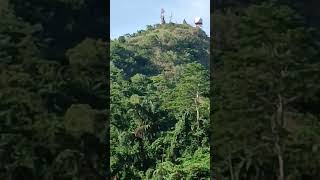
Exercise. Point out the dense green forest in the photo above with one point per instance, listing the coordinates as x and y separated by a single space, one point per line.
264 94
265 91
160 104
53 92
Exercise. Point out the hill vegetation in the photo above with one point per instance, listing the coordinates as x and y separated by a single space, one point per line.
264 99
160 104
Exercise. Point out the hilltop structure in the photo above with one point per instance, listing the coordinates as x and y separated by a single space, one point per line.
162 17
198 22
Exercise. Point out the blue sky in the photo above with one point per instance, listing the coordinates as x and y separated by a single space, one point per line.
129 16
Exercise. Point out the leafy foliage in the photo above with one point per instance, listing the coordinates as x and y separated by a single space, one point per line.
160 104
265 78
53 108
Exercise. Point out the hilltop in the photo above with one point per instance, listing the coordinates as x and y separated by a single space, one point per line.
161 47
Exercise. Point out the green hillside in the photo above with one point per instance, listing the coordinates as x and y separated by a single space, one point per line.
160 104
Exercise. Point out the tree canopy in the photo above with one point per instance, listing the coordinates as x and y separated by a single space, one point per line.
53 91
265 88
160 104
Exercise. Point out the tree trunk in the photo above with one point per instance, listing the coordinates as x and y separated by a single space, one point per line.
280 161
143 155
196 100
231 167
276 125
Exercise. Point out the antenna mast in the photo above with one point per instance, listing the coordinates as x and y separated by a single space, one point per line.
162 16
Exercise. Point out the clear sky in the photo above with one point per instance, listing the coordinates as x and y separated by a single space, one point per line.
129 16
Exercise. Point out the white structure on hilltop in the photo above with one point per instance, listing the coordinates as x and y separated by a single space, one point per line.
198 21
